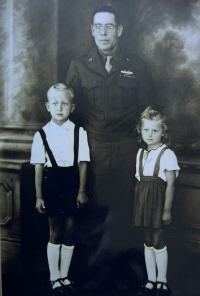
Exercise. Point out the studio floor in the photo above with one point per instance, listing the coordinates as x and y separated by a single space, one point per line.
183 276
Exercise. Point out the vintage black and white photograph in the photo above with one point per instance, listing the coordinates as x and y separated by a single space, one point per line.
100 147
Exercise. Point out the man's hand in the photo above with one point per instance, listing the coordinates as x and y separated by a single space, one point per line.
40 206
167 217
81 199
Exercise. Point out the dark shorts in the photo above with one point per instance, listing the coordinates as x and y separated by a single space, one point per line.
60 190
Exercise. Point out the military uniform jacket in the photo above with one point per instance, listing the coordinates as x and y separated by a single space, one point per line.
110 104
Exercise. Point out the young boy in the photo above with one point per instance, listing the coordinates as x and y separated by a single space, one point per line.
60 154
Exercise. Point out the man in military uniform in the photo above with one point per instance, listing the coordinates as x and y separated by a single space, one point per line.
111 89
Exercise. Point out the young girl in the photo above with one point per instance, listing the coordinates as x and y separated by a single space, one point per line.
156 171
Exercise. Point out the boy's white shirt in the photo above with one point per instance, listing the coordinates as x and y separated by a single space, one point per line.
61 142
168 162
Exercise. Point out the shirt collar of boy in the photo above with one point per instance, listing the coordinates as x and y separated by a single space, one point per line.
65 125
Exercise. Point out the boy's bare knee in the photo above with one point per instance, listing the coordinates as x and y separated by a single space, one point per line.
69 225
148 243
55 238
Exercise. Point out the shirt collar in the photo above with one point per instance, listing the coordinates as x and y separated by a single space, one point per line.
65 125
158 148
115 54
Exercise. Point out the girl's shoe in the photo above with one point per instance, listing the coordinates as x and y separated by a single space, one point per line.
59 289
163 292
144 291
70 287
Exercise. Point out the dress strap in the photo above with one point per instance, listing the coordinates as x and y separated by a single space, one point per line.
76 144
48 150
140 163
157 165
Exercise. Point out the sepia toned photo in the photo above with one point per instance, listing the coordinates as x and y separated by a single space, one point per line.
100 147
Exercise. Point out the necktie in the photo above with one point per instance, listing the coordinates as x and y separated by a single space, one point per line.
108 65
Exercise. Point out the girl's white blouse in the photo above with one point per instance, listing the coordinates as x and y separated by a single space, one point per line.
168 162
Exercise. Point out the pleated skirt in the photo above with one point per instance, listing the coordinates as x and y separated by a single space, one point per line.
149 202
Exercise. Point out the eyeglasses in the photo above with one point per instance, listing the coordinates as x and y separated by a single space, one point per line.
108 27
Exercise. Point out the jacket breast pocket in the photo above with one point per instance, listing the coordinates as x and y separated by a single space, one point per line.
127 90
92 89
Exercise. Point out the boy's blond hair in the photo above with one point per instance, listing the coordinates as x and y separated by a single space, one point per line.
53 90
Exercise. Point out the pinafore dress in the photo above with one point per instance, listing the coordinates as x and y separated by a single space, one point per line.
60 184
149 197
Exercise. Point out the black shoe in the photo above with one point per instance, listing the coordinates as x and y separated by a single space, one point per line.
58 290
144 291
68 288
163 292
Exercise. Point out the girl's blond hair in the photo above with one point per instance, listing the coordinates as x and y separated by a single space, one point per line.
152 113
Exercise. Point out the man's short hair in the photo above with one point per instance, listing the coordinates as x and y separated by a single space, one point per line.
60 87
110 10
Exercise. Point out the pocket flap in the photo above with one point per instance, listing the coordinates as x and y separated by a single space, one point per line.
127 82
91 82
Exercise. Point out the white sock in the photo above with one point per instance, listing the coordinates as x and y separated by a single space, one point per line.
53 255
162 261
150 261
65 260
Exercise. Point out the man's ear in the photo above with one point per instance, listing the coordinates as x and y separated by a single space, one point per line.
119 30
92 29
47 106
73 107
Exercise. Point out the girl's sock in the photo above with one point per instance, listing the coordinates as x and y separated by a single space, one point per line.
161 261
65 260
150 261
53 255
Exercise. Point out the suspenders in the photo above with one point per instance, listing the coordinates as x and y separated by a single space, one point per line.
157 165
49 152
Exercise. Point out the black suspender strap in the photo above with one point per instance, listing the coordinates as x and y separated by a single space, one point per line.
48 150
140 163
157 165
76 143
